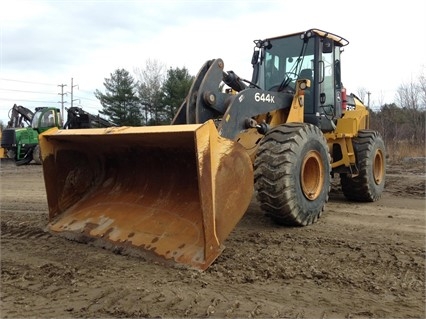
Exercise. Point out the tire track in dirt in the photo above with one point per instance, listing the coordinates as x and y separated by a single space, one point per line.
359 260
22 230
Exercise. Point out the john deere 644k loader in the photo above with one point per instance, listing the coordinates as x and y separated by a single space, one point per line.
176 192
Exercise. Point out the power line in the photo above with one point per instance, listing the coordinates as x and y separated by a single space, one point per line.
88 102
91 107
87 92
86 98
34 101
12 90
21 81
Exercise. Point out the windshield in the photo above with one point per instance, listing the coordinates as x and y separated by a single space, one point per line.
35 120
284 61
45 119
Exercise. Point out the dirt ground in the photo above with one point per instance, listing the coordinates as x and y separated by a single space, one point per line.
361 260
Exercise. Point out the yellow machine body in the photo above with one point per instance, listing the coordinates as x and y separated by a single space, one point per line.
347 128
164 192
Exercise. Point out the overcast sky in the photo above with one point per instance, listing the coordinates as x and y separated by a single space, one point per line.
43 44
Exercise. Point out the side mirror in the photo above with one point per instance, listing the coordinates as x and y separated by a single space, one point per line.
327 46
322 98
255 57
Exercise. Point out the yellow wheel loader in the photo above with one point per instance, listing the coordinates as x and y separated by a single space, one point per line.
174 193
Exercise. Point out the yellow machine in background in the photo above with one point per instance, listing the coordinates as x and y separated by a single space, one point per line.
174 193
2 150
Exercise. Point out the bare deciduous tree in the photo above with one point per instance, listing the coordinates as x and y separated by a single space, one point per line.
380 100
402 123
422 88
361 93
150 82
409 97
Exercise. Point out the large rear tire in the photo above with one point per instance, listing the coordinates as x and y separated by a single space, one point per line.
292 174
370 155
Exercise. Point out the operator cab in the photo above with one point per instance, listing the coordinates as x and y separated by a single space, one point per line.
313 55
46 118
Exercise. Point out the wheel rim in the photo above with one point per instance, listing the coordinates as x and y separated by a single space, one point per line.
378 167
312 175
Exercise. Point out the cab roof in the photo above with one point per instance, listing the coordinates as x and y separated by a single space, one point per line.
340 40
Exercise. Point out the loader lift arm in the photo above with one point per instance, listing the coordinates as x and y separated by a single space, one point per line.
234 112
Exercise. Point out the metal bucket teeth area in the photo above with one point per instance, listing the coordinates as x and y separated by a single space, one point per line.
168 192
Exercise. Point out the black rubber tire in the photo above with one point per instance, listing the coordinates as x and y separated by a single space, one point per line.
37 155
370 155
292 174
27 158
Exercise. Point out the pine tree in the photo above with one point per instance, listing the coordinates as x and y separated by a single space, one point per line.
175 89
120 102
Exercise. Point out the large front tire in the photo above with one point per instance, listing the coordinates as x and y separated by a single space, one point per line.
370 155
292 174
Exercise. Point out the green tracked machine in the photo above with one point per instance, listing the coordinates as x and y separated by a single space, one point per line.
20 143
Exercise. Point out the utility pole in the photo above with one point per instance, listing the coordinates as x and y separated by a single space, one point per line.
72 92
368 100
62 97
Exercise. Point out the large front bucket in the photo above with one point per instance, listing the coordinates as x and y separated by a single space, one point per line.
174 192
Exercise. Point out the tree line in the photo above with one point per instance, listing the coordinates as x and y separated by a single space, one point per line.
404 120
151 97
154 98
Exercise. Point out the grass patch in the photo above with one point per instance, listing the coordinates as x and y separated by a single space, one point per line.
402 150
